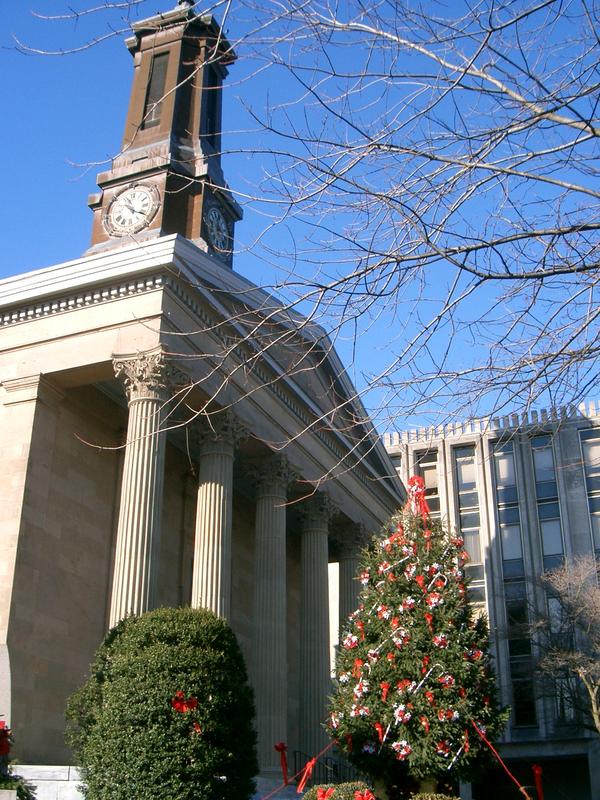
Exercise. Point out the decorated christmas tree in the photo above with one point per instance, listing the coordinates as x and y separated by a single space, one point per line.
415 688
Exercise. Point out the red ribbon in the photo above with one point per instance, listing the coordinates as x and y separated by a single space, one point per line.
537 776
310 765
325 794
385 687
379 728
356 671
366 795
416 497
522 789
281 748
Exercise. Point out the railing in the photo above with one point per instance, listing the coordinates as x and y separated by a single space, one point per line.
328 769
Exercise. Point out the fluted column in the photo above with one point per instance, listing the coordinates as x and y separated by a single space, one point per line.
146 378
211 577
269 644
354 540
315 681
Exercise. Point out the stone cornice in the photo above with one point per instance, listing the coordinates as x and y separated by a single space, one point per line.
177 264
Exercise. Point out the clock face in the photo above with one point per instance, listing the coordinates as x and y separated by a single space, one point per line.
131 210
218 230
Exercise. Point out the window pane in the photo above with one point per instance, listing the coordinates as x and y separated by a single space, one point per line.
513 568
507 494
468 500
591 456
515 591
524 703
548 511
519 647
474 572
552 562
596 530
156 90
429 475
541 441
546 490
465 470
551 537
470 520
505 469
543 462
509 515
472 545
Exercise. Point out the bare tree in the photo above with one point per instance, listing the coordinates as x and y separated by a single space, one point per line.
430 189
569 639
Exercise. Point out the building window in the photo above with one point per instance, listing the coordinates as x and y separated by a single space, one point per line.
469 521
426 467
590 445
209 127
548 509
515 588
156 91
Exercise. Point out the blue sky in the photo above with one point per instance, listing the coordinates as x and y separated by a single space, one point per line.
63 119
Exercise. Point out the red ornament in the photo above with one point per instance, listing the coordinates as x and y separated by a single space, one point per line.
430 698
424 722
385 687
357 669
420 579
379 728
428 619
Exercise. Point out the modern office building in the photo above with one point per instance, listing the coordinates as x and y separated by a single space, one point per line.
525 493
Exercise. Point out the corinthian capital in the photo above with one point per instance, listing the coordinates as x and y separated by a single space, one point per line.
317 510
221 426
274 474
148 375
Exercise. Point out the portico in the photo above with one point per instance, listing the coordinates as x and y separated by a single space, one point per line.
158 457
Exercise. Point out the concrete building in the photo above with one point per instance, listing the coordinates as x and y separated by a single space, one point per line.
525 493
158 413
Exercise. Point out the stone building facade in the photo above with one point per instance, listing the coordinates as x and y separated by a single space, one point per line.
525 493
170 434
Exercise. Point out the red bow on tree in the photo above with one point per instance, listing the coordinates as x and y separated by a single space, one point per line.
182 704
325 794
366 795
416 497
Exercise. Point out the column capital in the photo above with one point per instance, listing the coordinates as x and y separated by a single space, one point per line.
274 474
348 540
219 427
148 375
316 511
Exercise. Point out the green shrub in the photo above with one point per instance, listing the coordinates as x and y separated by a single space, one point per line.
166 712
343 791
433 796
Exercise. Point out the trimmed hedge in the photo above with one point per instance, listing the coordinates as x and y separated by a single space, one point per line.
433 796
343 791
166 712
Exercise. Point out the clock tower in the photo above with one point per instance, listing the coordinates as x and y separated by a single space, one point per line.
168 178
